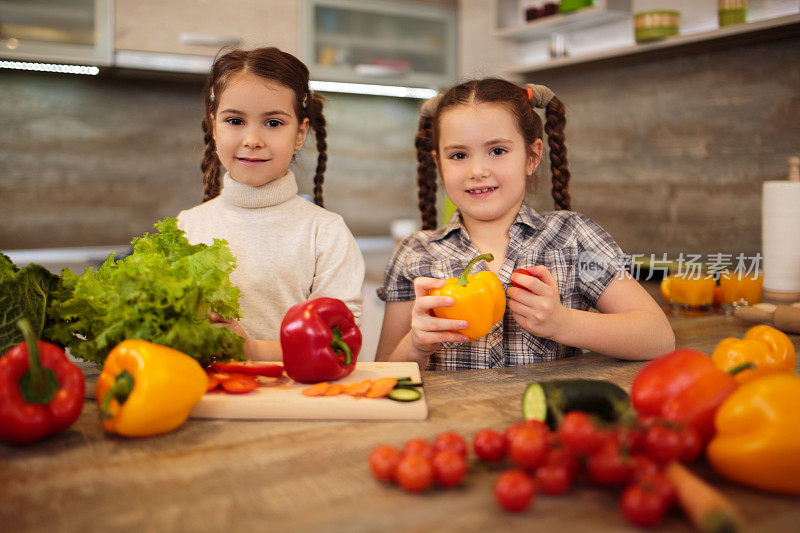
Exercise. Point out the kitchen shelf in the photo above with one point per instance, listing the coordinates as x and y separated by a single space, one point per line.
725 37
606 11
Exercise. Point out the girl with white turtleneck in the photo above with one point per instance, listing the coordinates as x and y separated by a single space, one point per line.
258 110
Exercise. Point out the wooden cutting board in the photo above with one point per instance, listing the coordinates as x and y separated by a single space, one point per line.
282 399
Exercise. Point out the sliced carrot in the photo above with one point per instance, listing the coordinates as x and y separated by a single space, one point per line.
358 389
708 509
317 389
213 382
239 383
334 390
381 387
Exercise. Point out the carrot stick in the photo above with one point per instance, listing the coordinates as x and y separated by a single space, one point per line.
381 387
708 509
358 389
317 389
334 390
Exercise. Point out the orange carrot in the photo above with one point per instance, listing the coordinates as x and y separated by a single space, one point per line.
381 387
708 509
358 389
317 389
334 390
213 382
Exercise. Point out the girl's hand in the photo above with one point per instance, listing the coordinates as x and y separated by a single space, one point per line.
537 307
427 331
221 322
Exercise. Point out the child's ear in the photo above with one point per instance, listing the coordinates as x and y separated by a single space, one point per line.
435 157
534 155
302 131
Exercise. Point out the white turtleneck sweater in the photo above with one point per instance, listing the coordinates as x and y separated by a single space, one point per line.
288 250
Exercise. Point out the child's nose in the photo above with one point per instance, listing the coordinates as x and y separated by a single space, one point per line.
253 140
478 169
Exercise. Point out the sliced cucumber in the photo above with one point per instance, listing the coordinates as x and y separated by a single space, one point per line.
548 401
534 403
404 394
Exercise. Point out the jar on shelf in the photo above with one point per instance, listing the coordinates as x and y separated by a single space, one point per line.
732 12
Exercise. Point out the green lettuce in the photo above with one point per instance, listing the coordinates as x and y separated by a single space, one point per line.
162 293
24 293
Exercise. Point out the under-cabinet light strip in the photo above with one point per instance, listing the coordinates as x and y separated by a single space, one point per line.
378 90
50 67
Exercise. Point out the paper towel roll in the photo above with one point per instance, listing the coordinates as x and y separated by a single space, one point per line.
780 235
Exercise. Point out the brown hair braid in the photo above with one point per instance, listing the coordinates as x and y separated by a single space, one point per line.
274 65
516 100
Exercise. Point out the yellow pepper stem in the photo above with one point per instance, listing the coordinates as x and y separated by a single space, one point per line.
740 368
463 279
120 390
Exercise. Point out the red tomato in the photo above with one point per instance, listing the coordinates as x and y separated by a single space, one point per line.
514 490
608 466
449 468
383 462
692 444
529 424
641 506
414 473
562 455
663 444
661 485
450 440
554 478
643 467
629 438
418 447
528 448
578 431
489 445
239 383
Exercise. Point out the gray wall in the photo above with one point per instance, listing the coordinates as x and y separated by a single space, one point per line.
97 160
668 155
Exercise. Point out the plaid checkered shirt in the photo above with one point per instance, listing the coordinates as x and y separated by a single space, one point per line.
581 256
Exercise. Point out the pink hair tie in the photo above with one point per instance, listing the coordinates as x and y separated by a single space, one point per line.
530 93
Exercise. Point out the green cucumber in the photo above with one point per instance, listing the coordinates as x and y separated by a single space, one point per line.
407 385
405 394
548 401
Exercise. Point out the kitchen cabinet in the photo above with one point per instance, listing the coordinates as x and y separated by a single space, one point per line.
173 34
511 25
390 43
62 31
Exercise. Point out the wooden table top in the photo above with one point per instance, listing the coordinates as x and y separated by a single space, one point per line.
215 475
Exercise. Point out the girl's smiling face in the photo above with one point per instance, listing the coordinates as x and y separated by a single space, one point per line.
256 129
484 161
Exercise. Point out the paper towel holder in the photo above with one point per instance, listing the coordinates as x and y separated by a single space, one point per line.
787 296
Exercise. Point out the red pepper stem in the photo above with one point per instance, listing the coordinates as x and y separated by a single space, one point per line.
38 384
463 279
739 368
338 345
120 390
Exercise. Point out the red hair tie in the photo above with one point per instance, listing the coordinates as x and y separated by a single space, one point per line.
529 91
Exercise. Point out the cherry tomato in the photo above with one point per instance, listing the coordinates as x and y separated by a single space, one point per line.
528 448
629 438
661 485
524 272
239 383
383 462
489 445
414 473
565 456
641 506
643 467
554 478
418 447
578 431
663 444
692 444
449 468
608 466
514 490
450 440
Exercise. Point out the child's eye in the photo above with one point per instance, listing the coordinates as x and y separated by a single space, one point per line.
234 121
274 123
458 155
498 151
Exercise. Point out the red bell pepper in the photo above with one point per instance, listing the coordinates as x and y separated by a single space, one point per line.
320 340
41 391
683 387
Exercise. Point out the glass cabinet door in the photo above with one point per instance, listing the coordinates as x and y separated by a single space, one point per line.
381 42
76 31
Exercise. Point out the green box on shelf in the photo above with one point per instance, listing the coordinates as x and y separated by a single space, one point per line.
651 25
568 6
728 17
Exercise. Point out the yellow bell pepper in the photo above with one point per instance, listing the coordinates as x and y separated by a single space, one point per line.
769 349
147 389
758 435
479 299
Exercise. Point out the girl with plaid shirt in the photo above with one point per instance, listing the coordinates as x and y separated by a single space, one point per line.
485 139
